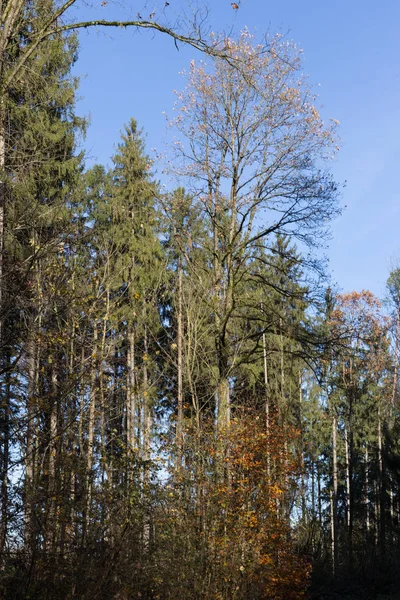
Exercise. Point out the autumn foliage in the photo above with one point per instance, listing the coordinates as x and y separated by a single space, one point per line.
227 518
359 329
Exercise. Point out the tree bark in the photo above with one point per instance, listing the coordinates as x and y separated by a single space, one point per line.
334 495
348 441
382 490
51 522
366 492
179 423
2 212
147 422
30 445
131 392
5 430
267 411
91 427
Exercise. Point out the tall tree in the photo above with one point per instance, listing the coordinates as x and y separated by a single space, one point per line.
39 172
251 146
359 405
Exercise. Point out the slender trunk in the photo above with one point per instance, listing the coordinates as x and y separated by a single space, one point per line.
107 464
264 343
2 214
146 443
5 399
106 450
334 494
333 533
313 504
30 445
366 492
267 415
5 402
51 524
179 424
382 490
72 434
319 494
146 404
217 294
5 429
348 440
131 393
303 473
105 473
81 408
334 456
347 456
377 512
53 429
90 444
190 360
391 505
286 496
282 358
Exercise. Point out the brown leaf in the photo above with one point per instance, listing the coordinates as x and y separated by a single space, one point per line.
234 5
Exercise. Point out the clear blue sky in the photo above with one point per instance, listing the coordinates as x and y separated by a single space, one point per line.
352 55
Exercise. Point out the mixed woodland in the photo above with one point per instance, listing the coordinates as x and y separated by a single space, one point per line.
188 408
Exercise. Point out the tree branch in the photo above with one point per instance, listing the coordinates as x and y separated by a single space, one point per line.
49 29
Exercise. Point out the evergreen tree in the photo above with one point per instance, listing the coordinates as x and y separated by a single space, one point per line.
39 173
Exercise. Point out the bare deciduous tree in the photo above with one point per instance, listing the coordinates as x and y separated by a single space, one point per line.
252 144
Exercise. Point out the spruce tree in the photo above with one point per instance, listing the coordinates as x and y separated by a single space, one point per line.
39 173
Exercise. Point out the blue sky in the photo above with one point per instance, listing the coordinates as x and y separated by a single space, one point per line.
352 55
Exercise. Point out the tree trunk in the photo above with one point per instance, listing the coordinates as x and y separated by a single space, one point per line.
179 423
147 422
303 470
223 400
30 445
51 523
319 494
267 411
4 397
265 365
366 492
2 213
382 490
131 393
334 494
5 429
91 425
282 359
348 441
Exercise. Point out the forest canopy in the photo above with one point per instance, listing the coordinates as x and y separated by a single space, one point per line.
187 408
